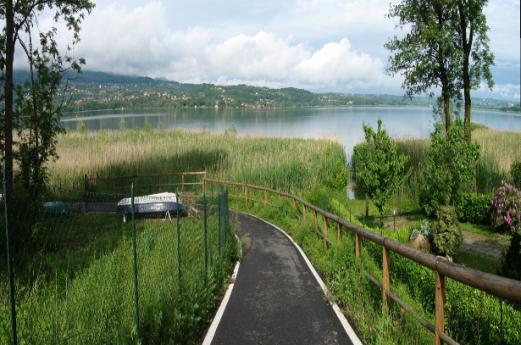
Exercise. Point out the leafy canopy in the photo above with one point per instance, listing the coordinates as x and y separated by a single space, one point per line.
448 167
379 167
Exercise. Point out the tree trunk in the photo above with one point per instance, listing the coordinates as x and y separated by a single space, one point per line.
366 206
446 110
8 104
468 110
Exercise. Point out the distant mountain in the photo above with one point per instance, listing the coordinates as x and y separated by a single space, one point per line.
91 90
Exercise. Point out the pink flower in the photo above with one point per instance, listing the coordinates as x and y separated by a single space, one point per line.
507 218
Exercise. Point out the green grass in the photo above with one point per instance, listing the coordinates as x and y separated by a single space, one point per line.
78 287
477 261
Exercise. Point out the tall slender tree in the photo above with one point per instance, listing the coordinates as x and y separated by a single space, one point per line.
426 55
472 39
46 63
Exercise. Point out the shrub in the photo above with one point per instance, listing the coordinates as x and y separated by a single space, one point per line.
506 207
448 167
380 168
447 237
515 173
424 230
511 261
473 208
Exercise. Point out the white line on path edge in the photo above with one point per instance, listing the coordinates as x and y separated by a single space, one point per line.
218 316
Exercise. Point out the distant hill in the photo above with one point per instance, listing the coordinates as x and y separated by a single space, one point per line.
91 90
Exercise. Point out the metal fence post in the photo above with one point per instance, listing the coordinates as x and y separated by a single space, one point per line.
178 232
134 250
219 224
205 210
12 292
226 214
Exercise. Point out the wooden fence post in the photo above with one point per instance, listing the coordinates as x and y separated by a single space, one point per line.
385 278
440 308
339 232
266 197
182 182
293 204
315 218
303 212
245 194
326 232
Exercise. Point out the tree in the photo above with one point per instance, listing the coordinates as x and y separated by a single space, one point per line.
472 40
379 167
35 114
449 166
427 55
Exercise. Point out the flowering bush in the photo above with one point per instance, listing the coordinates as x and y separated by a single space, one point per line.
506 206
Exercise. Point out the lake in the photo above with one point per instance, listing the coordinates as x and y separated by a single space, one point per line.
342 123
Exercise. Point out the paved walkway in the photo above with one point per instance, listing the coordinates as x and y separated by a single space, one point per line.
276 300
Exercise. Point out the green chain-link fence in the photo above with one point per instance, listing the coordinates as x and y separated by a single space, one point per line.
88 272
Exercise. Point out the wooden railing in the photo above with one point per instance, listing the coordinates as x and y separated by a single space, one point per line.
496 285
126 179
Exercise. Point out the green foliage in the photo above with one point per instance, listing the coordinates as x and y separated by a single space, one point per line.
511 260
147 127
425 230
515 173
446 236
379 167
448 168
473 208
81 127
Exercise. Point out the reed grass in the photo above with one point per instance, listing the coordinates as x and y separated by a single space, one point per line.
286 164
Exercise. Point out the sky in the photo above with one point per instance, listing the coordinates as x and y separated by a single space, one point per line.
319 45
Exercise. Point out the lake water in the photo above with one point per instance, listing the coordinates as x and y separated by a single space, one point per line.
342 123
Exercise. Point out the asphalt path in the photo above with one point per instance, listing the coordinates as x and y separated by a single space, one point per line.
276 299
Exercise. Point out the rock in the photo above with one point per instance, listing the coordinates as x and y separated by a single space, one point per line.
421 243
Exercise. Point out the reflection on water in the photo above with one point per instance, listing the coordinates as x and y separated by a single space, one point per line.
340 123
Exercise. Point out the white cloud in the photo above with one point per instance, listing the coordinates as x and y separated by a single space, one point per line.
327 45
138 41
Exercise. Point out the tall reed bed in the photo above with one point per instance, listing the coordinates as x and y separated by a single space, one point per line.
498 150
287 164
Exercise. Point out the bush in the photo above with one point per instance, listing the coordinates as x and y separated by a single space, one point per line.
448 167
506 207
379 166
473 208
511 261
515 173
447 237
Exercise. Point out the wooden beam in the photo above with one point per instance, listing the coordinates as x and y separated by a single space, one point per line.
326 232
385 278
339 232
439 308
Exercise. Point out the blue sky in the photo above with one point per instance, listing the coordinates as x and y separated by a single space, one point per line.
321 45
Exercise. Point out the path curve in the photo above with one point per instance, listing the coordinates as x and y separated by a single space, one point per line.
276 300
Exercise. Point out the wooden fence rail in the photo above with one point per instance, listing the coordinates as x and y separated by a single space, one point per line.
496 285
